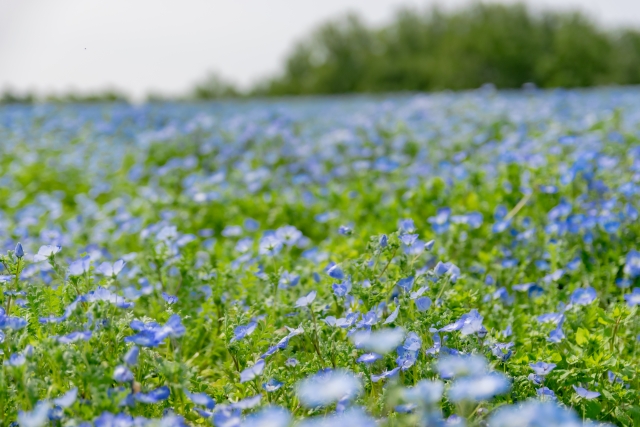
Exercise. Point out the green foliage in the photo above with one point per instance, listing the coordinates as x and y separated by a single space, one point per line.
506 46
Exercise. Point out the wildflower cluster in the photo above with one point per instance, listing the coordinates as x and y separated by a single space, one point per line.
444 260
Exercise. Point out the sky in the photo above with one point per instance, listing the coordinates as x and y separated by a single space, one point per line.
166 46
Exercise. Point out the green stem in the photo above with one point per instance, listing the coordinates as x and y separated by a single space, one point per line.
393 255
315 335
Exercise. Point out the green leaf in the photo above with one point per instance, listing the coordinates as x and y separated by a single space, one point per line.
582 336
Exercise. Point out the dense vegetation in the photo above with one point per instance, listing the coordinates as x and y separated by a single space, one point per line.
505 45
443 260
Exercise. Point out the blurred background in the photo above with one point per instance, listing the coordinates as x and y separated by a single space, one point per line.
136 50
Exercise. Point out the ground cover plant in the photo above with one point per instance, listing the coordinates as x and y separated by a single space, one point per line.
434 260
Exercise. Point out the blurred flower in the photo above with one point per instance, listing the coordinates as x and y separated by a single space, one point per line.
587 394
327 387
381 341
252 372
201 399
478 388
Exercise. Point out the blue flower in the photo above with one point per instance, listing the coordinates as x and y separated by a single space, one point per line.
542 368
229 231
341 289
447 269
270 245
79 267
73 337
550 318
533 414
102 294
131 358
45 252
407 356
352 417
369 358
383 241
384 375
425 391
111 270
393 316
632 266
437 344
288 280
271 416
272 385
418 293
406 408
562 210
11 322
368 319
306 300
170 299
381 341
201 399
500 226
440 222
502 351
19 251
478 388
152 334
429 245
633 298
335 272
326 387
472 219
243 331
556 335
289 235
587 394
16 359
344 322
252 372
122 374
467 324
457 366
154 396
623 282
227 416
423 303
406 226
574 264
583 296
244 245
247 403
66 399
38 417
406 284
408 239
283 343
546 393
553 277
548 189
345 230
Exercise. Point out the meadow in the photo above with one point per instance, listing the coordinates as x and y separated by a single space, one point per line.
448 259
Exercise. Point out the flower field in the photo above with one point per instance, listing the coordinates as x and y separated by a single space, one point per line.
425 260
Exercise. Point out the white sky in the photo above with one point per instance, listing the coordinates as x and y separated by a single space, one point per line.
165 46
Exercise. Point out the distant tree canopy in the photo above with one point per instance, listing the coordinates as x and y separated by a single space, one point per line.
107 96
506 45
